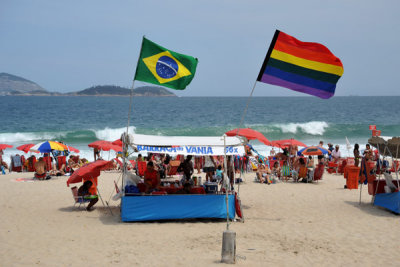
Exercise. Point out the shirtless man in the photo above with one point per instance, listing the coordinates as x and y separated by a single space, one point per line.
40 167
263 173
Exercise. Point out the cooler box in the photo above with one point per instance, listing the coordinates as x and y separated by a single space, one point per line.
352 177
211 188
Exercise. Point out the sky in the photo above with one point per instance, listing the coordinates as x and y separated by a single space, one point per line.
68 46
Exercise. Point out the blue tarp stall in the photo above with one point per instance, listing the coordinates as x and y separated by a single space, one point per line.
171 207
390 201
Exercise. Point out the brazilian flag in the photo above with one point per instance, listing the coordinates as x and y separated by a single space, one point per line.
161 66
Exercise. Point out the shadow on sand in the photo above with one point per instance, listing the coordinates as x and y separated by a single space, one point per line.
371 209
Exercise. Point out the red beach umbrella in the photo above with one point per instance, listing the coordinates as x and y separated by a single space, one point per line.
117 142
249 134
4 146
105 145
88 171
73 149
26 147
287 142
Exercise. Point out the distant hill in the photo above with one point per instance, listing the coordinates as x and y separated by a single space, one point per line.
113 90
15 85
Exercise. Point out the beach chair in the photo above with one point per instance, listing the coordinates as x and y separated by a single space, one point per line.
17 163
48 163
31 165
285 172
141 167
332 167
318 172
78 199
62 160
174 164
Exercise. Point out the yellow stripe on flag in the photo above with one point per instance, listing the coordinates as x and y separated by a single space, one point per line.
305 63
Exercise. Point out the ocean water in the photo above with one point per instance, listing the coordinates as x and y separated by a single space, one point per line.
81 120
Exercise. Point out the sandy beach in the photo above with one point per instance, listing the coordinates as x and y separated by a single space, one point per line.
286 224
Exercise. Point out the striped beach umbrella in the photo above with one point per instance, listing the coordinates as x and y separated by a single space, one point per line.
48 146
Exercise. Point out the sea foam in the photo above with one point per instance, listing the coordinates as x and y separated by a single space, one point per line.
312 127
110 134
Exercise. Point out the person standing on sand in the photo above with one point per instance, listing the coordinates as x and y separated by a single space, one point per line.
96 154
336 154
209 168
272 152
197 162
151 178
356 154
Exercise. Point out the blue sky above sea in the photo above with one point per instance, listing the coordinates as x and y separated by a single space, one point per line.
71 45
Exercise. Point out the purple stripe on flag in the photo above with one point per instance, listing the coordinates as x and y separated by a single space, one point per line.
295 87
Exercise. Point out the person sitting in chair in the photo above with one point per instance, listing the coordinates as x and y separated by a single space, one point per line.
41 169
83 191
151 178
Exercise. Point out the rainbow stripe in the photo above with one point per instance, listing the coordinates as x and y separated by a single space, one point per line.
300 66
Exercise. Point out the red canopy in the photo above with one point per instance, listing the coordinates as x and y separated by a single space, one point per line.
287 142
117 142
88 171
4 146
105 145
249 134
26 147
73 149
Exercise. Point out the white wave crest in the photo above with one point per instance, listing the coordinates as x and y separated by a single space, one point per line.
312 127
29 137
109 134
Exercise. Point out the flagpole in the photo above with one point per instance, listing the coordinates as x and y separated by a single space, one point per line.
247 106
125 139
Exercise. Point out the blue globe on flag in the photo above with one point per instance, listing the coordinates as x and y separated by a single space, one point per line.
166 67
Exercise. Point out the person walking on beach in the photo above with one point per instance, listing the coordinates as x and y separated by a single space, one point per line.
336 154
356 154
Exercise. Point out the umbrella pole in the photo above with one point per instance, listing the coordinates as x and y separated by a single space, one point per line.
98 192
396 167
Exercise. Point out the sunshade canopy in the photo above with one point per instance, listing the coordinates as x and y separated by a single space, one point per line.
287 142
105 145
250 134
88 171
4 146
25 147
48 146
388 146
313 151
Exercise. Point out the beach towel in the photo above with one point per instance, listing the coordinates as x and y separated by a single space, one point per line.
16 160
286 170
23 180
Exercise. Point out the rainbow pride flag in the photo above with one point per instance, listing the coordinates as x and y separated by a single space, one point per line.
301 66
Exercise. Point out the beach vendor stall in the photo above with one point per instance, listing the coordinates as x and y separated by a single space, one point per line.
164 206
385 191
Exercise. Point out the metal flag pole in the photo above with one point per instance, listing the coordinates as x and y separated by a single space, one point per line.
228 254
125 138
